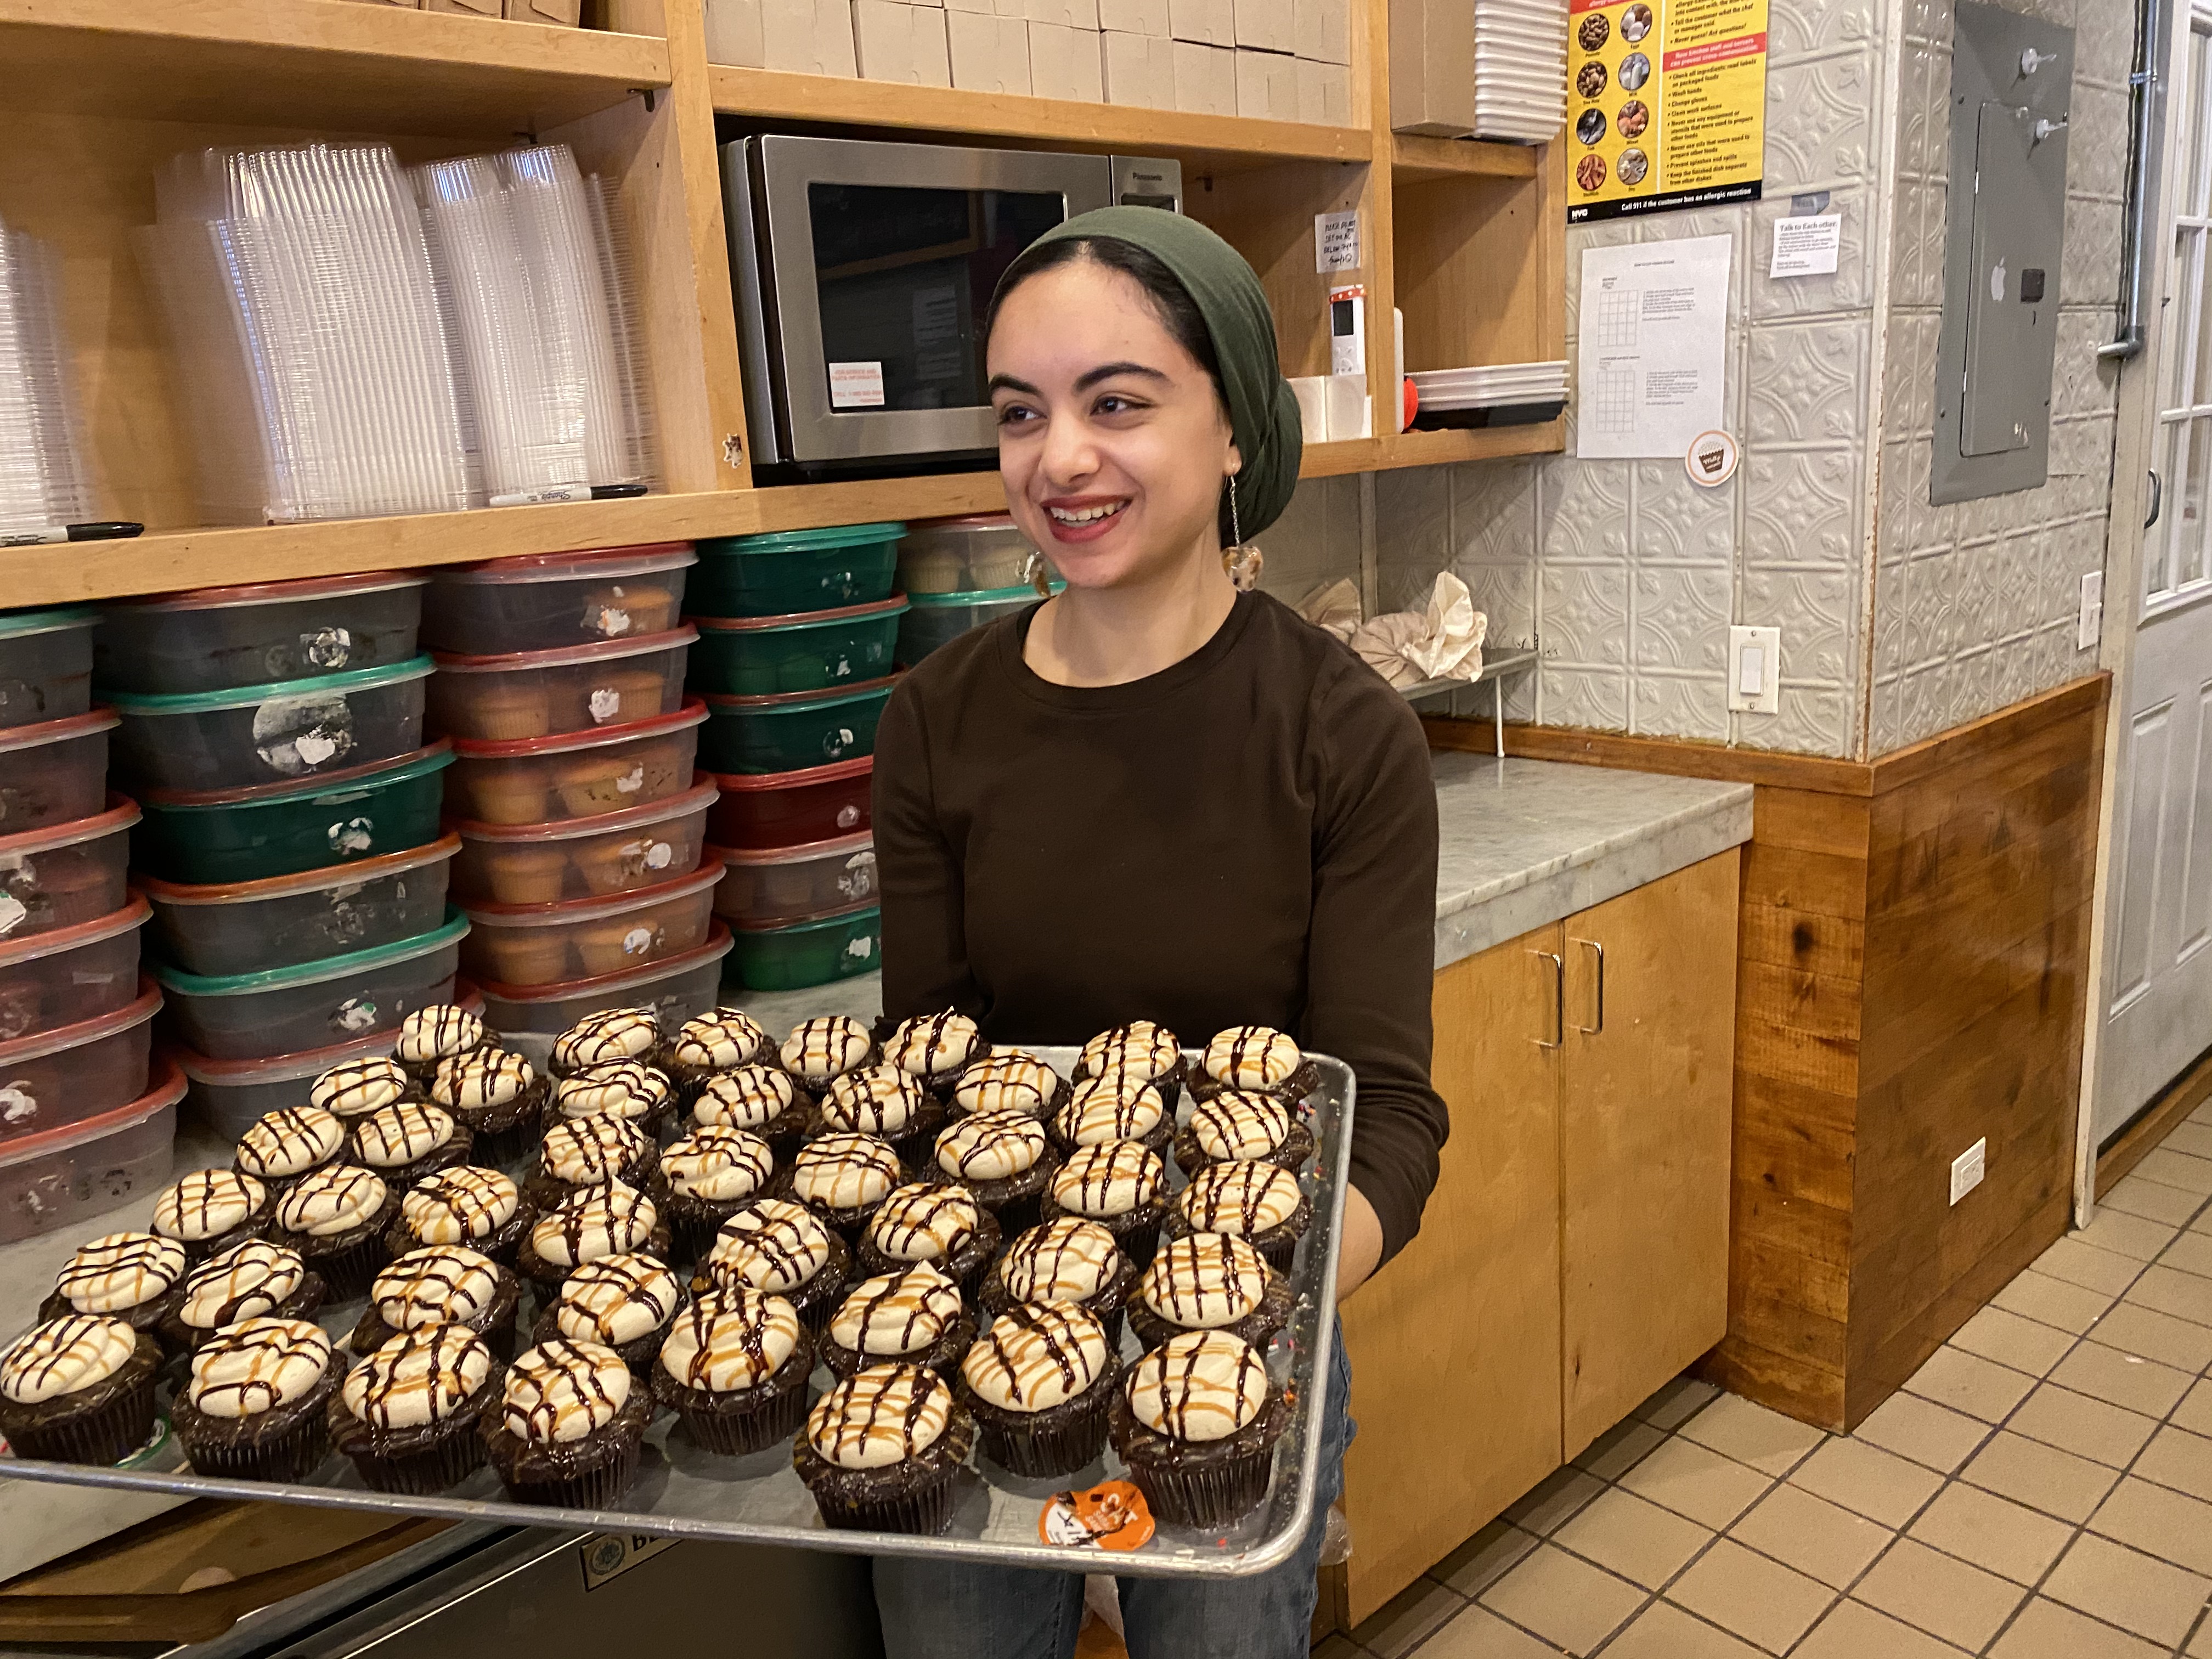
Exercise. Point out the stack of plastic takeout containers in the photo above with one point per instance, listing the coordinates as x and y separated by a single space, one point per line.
959 574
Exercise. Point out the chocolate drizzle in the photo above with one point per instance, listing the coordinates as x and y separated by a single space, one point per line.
881 1415
1199 1372
438 1032
200 1205
698 1351
246 1283
750 1097
1240 1197
788 1240
1189 1270
359 1086
924 1213
932 1043
879 1101
897 1314
433 1372
614 1088
120 1270
442 1284
1067 1251
990 1146
599 1221
396 1135
1027 1346
1086 1183
477 1202
584 1150
550 1384
1238 1125
487 1078
1138 1051
723 1038
256 1366
612 1034
825 1046
64 1355
290 1139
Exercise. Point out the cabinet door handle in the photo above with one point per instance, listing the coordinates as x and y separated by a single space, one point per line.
1592 945
1559 1001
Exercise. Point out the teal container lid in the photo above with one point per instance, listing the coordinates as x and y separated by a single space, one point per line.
14 624
837 918
310 973
805 541
792 621
332 787
201 702
983 595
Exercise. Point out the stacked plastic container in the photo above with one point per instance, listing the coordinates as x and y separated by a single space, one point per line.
573 797
959 574
799 633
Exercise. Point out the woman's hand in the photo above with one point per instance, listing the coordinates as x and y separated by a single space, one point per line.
1361 1248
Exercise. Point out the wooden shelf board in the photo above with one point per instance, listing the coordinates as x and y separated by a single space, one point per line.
1483 444
332 65
1224 142
1415 159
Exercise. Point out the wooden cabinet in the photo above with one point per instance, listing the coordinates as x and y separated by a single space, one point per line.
1575 1254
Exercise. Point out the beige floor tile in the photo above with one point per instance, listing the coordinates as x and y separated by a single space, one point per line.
2128 1235
2195 1410
1478 1633
1569 1603
1672 1404
1406 1620
1695 1481
1614 1453
1811 1534
2178 1169
2128 1589
2185 1296
2192 1253
1751 1434
2170 1525
1478 1563
1944 1597
2088 1428
1337 1645
2200 1645
2178 1458
2133 1329
2085 1265
2122 1379
2193 1135
1662 1632
1922 1430
2045 1630
1553 1499
2053 1301
1991 1532
1867 1480
1967 1383
2007 1339
1641 1542
1854 1631
1759 1599
2042 1477
2152 1201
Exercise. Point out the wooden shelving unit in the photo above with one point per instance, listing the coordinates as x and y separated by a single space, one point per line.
1467 238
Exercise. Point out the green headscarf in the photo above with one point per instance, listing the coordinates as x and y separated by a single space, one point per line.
1262 410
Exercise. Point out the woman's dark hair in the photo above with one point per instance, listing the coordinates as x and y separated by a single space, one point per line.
1177 312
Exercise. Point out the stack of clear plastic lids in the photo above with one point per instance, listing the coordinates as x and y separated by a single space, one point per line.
42 477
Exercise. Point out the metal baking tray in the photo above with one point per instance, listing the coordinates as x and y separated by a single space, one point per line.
684 1492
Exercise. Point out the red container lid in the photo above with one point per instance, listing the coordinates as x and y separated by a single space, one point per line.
304 881
307 1062
132 914
716 947
806 777
562 911
702 794
121 812
591 562
782 923
46 731
322 783
828 694
513 662
693 713
309 587
85 1030
797 618
859 841
168 1088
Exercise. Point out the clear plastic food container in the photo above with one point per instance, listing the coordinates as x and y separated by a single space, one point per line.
77 1071
229 1095
759 656
578 775
276 829
960 555
582 858
792 570
215 638
551 600
257 734
53 771
66 873
64 1176
788 809
938 618
529 1018
72 974
811 951
46 665
250 926
578 688
763 886
759 735
526 944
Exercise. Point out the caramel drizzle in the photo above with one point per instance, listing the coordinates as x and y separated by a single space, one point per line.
400 1134
1229 1193
930 1029
1041 1253
815 1038
743 1313
1056 1339
271 1345
602 1148
435 1281
1179 1269
636 1283
39 1356
244 1275
635 1088
1241 1039
152 1263
289 1131
861 1102
913 1294
912 1213
467 1081
1122 1109
740 1031
537 1373
1009 1074
1233 1113
605 1037
786 1242
984 1134
471 1196
835 1154
620 1216
344 1185
1178 1389
439 1031
713 1149
448 1348
867 1393
203 1190
343 1088
1090 1175
1112 1054
739 1092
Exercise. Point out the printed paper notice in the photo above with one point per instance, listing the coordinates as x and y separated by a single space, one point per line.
1654 346
1807 245
856 386
1336 241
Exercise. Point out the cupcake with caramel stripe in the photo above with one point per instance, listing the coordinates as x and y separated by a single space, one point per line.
609 1035
916 1317
336 1219
735 1368
442 1285
882 1101
1003 1158
1142 1051
137 1277
79 1389
934 1049
1039 1383
210 1210
570 1427
1257 1059
625 1302
882 1449
1102 1109
1010 1080
467 1205
253 1408
1070 1259
1257 1202
614 1219
1209 1281
931 1221
844 1178
627 1089
582 1153
1238 1126
409 1415
355 1088
406 1142
497 1097
429 1037
819 1049
1120 1184
706 1177
1196 1423
721 1040
786 1249
760 1100
256 1281
279 1147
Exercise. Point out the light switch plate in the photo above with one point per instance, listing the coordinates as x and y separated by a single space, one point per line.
2090 625
1968 1168
1755 669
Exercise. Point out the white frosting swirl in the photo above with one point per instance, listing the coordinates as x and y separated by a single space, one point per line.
332 1200
775 1245
436 1033
717 1165
718 1040
477 1082
617 1088
1237 1127
879 1100
358 1087
730 1339
845 1172
64 1355
442 1284
1008 1080
289 1141
991 1146
616 1299
207 1204
1104 1108
1066 1260
118 1272
255 1367
924 1221
934 1044
599 1221
751 1097
561 1391
895 1315
1201 1385
583 1150
396 1136
1251 1057
1139 1052
1032 1359
250 1282
612 1034
819 1049
459 1204
879 1416
1112 1179
418 1378
1202 1280
1246 1199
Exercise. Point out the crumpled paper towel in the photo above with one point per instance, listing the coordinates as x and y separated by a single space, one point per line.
1332 608
1442 642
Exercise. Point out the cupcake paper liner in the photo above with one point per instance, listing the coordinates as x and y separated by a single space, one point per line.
598 1487
1209 1497
924 1512
740 1433
1038 1452
106 1436
426 1472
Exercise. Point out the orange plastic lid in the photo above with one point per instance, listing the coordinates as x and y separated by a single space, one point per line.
304 881
610 985
121 812
585 561
859 841
133 914
308 587
693 713
168 1088
60 731
697 799
85 1030
563 912
518 662
734 783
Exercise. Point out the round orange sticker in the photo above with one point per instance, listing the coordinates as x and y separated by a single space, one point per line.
1111 1516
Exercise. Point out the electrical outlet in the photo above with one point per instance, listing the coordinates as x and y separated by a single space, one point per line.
2090 625
1968 1168
1755 669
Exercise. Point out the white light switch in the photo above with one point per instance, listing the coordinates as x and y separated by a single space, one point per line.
2090 625
1755 669
1967 1169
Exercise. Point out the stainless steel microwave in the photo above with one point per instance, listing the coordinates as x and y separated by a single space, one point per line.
864 272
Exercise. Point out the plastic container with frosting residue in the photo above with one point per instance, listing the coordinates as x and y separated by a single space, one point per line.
529 1018
215 639
55 979
77 1071
46 665
531 944
543 601
62 1177
66 873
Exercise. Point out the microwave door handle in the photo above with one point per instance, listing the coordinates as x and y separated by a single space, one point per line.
763 386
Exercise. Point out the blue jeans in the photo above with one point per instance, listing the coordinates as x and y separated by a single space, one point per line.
934 1610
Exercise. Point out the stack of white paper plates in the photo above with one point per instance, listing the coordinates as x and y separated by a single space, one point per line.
1520 69
1492 387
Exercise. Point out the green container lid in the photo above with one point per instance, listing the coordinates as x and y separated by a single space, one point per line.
15 623
816 951
983 595
200 702
310 973
436 758
804 541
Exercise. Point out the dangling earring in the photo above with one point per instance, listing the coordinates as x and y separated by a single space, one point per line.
1037 573
1241 563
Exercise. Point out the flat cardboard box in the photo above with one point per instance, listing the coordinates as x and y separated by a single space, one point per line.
1139 71
1209 22
1263 25
1064 63
1267 85
1433 67
893 40
559 13
1204 79
809 37
1321 30
1065 13
733 33
1147 17
1324 94
990 53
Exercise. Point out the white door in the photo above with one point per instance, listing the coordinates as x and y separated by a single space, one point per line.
2158 950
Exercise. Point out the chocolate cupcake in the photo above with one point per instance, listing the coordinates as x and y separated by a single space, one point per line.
625 1302
429 1037
335 1219
1209 1281
844 1177
1039 1383
410 1415
931 1221
914 1315
1257 1202
1004 1159
786 1249
137 1277
1102 1109
1140 1052
705 1178
442 1285
760 1100
583 1153
355 1088
79 1389
497 1097
721 1040
279 1147
210 1210
570 1427
1196 1423
1257 1059
881 1450
255 1280
1121 1185
819 1049
627 1089
1010 1080
734 1368
1238 1126
466 1204
254 1406
1070 1259
884 1102
613 1220
934 1049
609 1035
404 1142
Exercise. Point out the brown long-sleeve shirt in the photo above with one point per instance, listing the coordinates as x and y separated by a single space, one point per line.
1248 835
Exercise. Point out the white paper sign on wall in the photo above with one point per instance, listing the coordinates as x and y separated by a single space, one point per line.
1807 245
1336 241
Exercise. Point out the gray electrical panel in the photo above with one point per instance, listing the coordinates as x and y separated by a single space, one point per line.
2012 80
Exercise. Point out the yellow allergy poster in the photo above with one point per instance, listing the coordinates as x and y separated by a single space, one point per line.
1666 105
